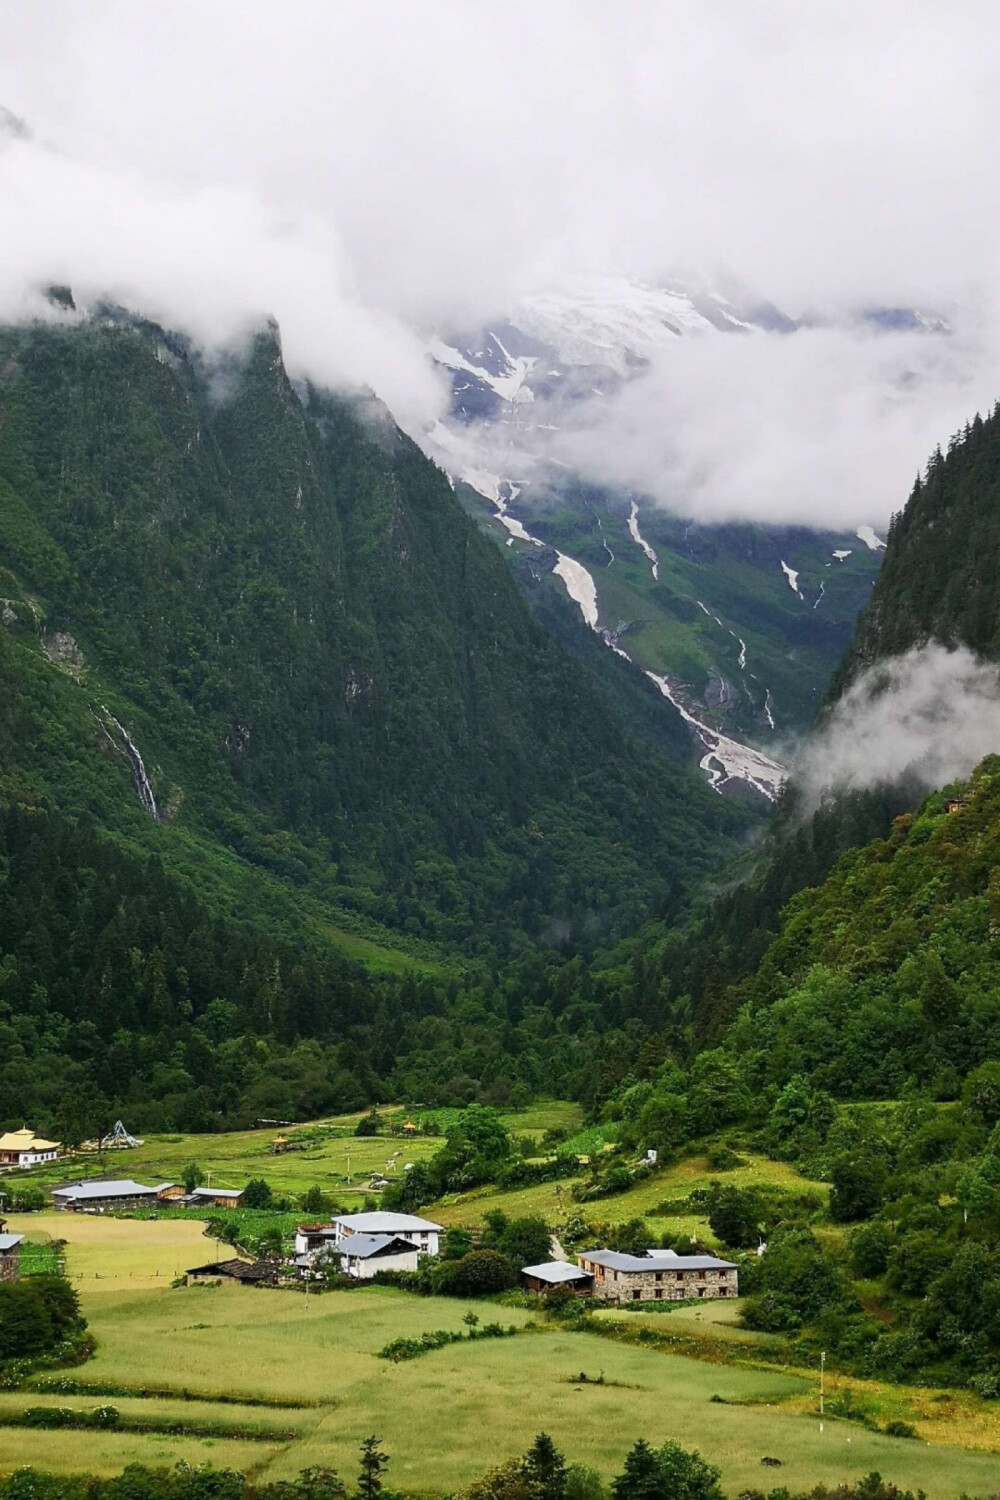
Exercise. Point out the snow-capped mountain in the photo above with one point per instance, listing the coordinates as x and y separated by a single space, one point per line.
738 626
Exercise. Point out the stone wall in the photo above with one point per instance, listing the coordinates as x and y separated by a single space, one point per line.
661 1284
10 1264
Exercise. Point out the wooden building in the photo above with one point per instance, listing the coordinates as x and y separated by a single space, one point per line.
104 1194
550 1274
10 1254
215 1197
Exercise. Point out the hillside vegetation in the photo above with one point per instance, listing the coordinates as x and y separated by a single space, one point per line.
272 712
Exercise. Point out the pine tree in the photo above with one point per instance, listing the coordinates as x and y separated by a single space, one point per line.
373 1461
641 1478
545 1469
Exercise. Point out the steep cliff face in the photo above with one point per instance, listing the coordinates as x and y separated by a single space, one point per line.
319 661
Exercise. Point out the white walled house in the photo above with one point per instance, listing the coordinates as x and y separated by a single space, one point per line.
422 1233
310 1239
23 1148
365 1255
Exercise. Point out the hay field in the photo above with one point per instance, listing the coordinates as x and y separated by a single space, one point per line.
444 1417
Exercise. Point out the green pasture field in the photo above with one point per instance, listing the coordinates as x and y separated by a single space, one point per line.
444 1417
104 1254
641 1201
710 1321
332 1157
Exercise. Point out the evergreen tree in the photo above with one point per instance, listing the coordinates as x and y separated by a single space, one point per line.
545 1469
373 1464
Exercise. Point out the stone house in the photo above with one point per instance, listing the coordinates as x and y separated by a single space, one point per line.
658 1276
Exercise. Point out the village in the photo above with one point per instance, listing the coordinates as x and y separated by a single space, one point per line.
368 1244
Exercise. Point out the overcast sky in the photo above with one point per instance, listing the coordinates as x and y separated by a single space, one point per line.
368 172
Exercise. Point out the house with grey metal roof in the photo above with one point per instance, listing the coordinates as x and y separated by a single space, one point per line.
217 1197
424 1233
10 1255
552 1273
104 1193
658 1276
366 1255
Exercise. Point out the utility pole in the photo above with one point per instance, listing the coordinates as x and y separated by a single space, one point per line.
822 1368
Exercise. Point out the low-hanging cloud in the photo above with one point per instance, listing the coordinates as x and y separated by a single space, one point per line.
370 174
930 715
826 426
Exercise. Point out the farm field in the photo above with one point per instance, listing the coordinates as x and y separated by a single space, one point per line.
444 1417
332 1157
102 1254
641 1201
708 1321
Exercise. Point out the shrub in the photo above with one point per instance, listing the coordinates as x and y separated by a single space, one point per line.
257 1194
477 1274
37 1315
869 1250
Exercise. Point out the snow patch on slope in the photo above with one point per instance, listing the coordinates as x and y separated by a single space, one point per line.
640 540
510 386
867 535
725 759
580 586
611 320
793 579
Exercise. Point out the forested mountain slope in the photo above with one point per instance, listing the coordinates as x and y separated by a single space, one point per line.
940 580
273 601
941 575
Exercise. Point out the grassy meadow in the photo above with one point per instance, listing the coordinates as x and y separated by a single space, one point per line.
331 1156
444 1417
554 1199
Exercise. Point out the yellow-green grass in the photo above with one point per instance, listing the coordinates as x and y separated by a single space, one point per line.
244 1418
718 1321
444 1417
103 1254
341 1164
251 1341
450 1414
541 1198
545 1114
641 1201
64 1451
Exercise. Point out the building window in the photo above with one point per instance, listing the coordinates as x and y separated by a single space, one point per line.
659 1293
636 1295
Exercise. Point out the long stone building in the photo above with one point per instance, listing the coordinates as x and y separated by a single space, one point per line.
658 1276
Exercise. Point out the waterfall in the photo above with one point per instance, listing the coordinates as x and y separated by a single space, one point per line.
140 780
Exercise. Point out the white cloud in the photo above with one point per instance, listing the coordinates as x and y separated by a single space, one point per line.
931 714
827 426
363 171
